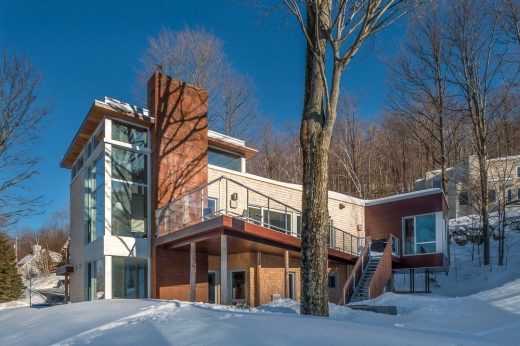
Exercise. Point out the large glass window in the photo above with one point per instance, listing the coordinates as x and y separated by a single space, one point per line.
96 280
95 200
128 165
419 234
129 210
224 159
129 134
129 277
277 220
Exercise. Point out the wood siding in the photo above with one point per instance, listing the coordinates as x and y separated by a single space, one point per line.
384 219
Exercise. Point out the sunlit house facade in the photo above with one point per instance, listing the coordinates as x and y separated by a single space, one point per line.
162 207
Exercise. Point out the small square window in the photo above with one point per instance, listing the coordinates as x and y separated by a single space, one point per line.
518 172
436 184
492 196
332 281
463 198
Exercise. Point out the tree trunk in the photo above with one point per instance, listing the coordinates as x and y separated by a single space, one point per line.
315 142
315 222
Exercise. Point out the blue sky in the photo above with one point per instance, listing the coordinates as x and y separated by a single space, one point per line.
88 49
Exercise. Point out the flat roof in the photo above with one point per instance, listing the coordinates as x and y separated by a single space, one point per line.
96 113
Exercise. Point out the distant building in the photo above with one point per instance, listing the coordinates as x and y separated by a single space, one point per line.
463 184
41 261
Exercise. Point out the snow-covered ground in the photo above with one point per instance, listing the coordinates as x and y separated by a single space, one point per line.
473 305
491 317
38 284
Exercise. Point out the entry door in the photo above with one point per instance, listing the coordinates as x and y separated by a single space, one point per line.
212 287
292 285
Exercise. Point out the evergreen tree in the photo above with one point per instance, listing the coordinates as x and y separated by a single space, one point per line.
10 281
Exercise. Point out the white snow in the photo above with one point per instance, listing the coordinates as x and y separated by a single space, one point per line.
491 317
459 316
38 283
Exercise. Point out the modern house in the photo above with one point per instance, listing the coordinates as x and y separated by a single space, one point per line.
463 187
162 207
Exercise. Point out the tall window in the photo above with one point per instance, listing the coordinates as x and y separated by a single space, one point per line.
224 159
96 279
95 200
492 196
129 277
129 182
419 234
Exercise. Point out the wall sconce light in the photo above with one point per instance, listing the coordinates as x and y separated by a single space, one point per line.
359 228
341 206
233 201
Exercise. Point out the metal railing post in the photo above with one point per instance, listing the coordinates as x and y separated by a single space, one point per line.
226 196
286 230
268 213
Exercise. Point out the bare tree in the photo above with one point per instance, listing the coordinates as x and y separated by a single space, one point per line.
478 69
421 89
339 27
196 56
237 103
21 117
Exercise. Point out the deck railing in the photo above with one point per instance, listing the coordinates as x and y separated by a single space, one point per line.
383 272
225 196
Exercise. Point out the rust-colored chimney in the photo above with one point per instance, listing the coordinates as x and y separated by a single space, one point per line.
180 137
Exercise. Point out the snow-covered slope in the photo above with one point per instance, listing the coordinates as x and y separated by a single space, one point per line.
491 317
467 274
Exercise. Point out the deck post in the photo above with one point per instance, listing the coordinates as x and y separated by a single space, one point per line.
66 284
286 273
223 271
258 277
193 271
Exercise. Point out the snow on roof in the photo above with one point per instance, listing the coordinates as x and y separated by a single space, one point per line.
225 138
126 107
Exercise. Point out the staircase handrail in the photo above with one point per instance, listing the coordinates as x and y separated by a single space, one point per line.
356 273
382 273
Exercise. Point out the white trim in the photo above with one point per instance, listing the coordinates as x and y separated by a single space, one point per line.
226 138
403 196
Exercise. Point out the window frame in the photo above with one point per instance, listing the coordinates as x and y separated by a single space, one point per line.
230 153
415 243
463 201
332 281
109 145
231 299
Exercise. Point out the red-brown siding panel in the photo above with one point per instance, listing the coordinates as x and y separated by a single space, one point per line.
384 219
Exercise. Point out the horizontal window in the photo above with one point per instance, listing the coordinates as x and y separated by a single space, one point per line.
129 134
224 159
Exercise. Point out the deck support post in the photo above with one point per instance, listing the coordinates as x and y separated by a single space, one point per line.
286 272
193 271
224 295
258 277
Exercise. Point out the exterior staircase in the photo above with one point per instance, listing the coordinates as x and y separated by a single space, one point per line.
362 290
